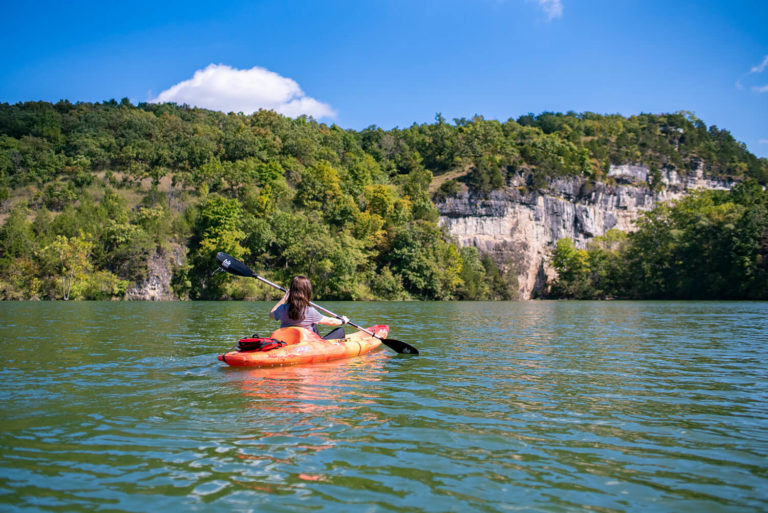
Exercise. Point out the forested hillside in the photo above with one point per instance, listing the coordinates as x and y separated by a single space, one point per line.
89 193
710 245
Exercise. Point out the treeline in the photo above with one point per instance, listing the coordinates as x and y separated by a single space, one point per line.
93 192
90 194
710 245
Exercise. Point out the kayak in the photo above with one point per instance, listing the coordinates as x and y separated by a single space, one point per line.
305 346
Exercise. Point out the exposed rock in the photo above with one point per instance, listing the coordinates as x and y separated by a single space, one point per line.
628 171
639 175
157 286
519 227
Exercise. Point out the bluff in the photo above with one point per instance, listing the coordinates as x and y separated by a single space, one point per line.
156 285
518 225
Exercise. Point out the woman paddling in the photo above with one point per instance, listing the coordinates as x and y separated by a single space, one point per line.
294 310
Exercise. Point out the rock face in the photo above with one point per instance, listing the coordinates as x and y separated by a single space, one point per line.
157 286
519 226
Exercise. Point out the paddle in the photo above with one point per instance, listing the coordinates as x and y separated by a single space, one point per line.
235 266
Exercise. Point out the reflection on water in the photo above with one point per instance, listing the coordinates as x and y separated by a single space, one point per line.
308 403
545 406
311 388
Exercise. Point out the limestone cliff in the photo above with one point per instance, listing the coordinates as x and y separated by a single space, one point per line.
157 285
519 226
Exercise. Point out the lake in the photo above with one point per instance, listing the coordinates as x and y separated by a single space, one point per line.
531 406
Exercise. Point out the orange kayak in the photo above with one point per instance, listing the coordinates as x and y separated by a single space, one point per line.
305 346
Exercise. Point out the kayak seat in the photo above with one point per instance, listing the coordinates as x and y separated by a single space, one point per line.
336 334
292 335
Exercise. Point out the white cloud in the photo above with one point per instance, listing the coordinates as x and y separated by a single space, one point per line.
553 8
762 89
760 67
763 141
227 89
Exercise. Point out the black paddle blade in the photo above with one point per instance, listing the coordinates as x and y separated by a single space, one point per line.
399 346
233 265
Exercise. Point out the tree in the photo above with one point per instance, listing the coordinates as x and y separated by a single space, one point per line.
474 283
430 267
16 236
572 267
485 176
218 228
70 259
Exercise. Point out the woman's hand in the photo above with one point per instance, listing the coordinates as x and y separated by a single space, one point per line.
344 320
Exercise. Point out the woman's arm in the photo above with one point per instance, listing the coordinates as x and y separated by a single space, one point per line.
333 321
281 302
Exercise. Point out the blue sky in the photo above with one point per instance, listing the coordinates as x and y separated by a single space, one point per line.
393 63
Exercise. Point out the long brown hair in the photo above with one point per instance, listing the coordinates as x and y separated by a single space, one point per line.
299 297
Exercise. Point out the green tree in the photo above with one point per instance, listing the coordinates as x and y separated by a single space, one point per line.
573 271
430 267
319 187
474 282
218 228
69 258
503 286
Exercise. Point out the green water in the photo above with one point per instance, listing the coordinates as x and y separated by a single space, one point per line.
541 406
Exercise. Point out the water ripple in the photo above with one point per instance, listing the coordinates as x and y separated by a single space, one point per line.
512 406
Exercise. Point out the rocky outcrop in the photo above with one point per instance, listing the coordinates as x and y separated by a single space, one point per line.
673 182
157 285
519 226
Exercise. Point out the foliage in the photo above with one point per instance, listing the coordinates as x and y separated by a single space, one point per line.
573 270
90 193
710 245
429 266
217 228
69 259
